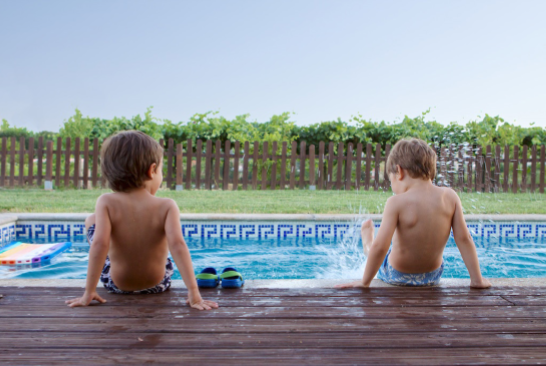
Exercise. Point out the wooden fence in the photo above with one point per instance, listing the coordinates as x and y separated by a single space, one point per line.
253 165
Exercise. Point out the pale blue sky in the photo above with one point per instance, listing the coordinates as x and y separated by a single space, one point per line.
319 59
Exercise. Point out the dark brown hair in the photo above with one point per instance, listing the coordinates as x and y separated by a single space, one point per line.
415 156
126 157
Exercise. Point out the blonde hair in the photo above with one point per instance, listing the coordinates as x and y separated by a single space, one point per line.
414 156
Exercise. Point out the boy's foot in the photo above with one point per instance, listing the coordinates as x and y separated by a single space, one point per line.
366 232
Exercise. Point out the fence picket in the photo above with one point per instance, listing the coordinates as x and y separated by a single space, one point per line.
30 180
246 152
302 164
76 163
227 154
377 167
86 163
189 162
312 167
368 166
533 168
12 162
179 165
49 161
95 167
487 176
524 169
496 185
469 171
386 181
542 163
208 164
283 165
255 166
217 158
330 178
21 161
358 163
274 166
506 167
349 167
68 146
3 162
451 167
460 162
236 166
170 146
339 165
515 170
293 165
265 147
198 153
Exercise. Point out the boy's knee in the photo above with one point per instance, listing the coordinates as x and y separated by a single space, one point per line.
90 221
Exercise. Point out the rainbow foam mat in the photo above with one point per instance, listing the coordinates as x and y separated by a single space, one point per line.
21 253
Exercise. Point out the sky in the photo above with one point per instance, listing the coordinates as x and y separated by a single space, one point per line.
317 59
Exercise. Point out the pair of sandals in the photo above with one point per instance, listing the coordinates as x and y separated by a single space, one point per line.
229 278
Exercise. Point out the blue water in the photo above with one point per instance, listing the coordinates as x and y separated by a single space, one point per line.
301 258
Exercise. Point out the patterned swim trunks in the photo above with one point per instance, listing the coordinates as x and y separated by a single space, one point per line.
393 277
108 284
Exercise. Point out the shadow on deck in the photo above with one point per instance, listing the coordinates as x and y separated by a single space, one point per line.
278 326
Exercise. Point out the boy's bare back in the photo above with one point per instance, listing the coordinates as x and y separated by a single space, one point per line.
138 243
425 215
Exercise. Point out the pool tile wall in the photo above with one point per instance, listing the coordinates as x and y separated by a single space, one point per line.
267 230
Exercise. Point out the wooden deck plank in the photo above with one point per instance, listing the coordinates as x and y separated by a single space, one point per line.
436 326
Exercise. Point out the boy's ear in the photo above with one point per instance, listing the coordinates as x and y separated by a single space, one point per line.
151 170
400 172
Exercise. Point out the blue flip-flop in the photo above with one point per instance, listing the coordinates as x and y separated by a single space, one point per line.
231 278
208 278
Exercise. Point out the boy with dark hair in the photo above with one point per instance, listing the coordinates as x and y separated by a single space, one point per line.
418 220
132 231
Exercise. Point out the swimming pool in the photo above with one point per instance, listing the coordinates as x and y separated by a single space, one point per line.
301 257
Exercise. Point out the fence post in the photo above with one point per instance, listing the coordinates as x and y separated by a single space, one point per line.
48 184
330 180
198 154
77 163
533 168
368 166
542 163
217 150
340 157
497 170
487 177
225 183
170 144
377 167
524 169
255 166
95 167
293 165
358 164
189 151
86 163
12 162
386 182
506 168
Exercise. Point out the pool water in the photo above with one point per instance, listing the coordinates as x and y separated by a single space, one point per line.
304 258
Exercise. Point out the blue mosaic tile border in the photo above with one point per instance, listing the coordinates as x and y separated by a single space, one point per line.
258 230
7 234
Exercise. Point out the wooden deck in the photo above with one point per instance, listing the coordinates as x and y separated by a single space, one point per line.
266 326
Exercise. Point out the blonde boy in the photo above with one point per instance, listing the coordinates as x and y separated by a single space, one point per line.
418 219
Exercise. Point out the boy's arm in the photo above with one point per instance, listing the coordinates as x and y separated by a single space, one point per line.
380 246
181 255
97 255
466 246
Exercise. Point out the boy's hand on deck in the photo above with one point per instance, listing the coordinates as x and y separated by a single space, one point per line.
196 301
85 300
356 284
483 283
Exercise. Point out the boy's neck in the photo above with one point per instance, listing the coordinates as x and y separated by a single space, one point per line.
143 191
416 183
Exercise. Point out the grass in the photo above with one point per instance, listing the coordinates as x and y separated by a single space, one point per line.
333 202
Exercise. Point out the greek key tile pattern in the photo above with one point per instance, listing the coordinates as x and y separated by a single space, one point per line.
266 230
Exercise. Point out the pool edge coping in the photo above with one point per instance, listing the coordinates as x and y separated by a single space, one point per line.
13 217
283 284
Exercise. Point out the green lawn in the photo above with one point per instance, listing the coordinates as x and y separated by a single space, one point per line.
38 200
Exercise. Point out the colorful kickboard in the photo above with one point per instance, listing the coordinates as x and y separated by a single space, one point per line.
32 253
